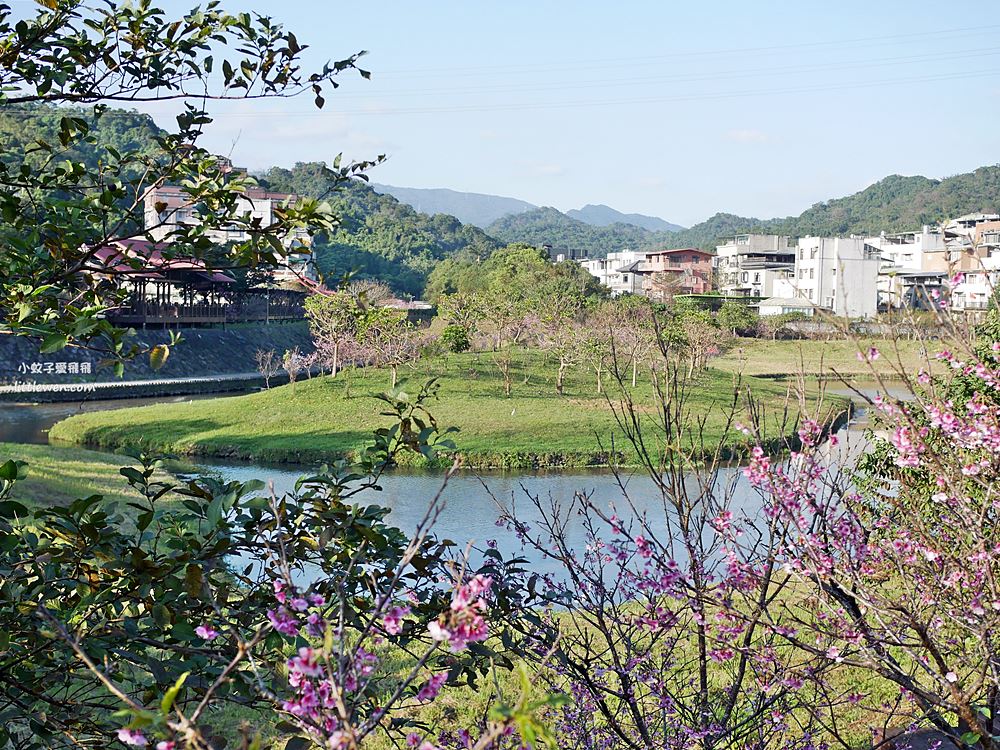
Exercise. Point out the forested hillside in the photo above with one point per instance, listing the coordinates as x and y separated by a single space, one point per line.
893 204
547 226
478 209
379 236
122 130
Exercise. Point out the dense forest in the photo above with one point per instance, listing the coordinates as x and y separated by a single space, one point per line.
122 130
893 204
379 237
547 226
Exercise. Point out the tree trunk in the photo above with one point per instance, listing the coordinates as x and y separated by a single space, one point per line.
600 385
394 373
635 367
560 377
336 361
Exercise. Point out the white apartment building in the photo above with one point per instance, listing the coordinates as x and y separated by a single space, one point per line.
839 274
911 267
168 207
618 271
749 265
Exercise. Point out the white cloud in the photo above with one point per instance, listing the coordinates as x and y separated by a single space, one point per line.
747 136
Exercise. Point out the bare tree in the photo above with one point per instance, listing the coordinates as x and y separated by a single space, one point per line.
388 339
268 364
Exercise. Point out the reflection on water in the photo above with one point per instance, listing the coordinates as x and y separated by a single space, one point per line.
471 509
30 423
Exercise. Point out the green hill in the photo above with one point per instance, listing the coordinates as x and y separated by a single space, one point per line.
547 226
893 204
379 237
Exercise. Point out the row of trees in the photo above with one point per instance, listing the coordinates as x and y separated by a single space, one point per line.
519 300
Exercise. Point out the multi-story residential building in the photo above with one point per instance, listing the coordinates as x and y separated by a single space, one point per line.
748 265
617 271
908 275
657 274
167 208
666 273
839 274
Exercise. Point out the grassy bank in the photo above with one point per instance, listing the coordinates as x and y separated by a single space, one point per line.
317 419
58 475
827 358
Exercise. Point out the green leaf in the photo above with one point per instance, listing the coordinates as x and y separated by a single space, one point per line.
11 471
52 343
168 698
158 356
970 738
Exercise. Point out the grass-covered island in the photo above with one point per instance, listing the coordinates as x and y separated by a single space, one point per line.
321 418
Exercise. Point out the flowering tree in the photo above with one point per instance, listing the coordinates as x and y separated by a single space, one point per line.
333 323
503 315
387 339
902 561
656 623
557 316
302 605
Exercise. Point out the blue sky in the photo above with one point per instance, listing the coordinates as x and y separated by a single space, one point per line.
674 109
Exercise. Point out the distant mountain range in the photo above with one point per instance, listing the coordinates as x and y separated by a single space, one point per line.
600 215
478 209
894 204
482 210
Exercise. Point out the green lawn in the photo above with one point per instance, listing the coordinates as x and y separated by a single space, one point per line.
827 358
59 475
321 418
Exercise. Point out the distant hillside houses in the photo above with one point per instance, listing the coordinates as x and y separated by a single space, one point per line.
955 264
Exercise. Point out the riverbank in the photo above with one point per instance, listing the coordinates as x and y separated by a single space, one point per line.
58 475
324 418
830 359
204 353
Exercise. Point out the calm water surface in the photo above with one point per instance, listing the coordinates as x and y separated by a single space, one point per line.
471 500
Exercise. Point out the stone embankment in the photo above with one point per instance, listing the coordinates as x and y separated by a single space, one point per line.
208 360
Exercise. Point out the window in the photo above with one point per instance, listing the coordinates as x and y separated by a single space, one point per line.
625 277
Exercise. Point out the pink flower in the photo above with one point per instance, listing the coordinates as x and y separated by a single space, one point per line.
206 632
412 739
166 745
299 604
393 620
283 621
430 690
834 653
951 677
306 663
642 545
870 356
279 591
132 737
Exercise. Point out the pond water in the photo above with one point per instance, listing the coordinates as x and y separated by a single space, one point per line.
471 499
30 423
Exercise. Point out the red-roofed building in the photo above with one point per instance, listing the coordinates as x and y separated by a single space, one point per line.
166 290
